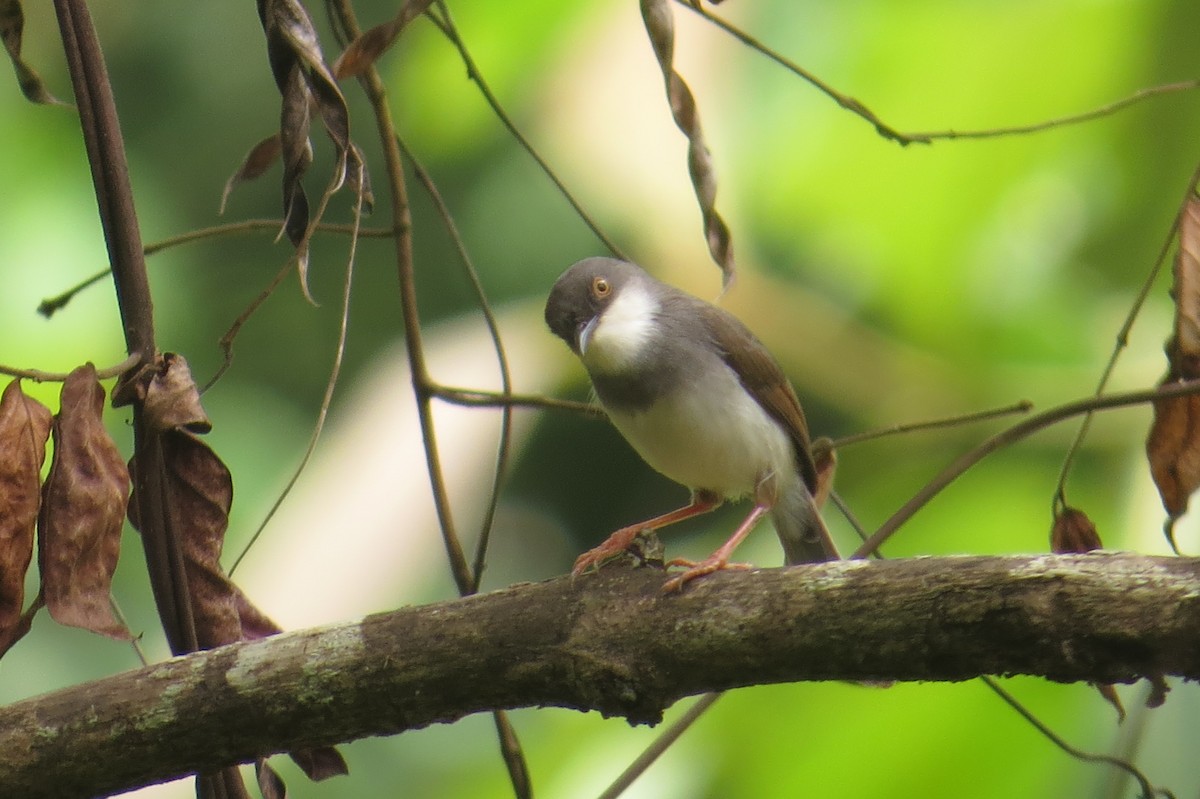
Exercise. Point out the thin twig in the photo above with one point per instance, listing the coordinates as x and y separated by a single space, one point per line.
135 641
414 346
446 25
1108 109
1023 406
478 398
504 445
330 385
845 101
50 305
1059 500
1011 436
226 342
929 137
660 744
422 383
1148 790
38 376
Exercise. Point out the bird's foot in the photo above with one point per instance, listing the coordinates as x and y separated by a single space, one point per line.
696 569
614 545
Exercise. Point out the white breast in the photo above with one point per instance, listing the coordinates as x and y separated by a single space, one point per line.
719 439
615 338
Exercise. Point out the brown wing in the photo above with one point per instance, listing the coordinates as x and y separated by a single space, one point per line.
762 376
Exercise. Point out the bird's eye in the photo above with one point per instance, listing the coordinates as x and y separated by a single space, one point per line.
601 288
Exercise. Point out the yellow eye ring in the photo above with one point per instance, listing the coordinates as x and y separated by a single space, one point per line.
601 288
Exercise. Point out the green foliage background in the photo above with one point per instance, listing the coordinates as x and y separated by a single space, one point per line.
894 283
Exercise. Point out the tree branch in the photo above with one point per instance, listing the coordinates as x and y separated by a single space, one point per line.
610 642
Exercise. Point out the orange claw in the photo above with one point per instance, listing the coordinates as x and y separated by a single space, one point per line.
614 545
618 542
695 569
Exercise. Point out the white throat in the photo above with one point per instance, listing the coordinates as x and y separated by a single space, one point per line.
615 338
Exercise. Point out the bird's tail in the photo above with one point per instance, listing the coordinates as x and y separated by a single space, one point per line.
800 528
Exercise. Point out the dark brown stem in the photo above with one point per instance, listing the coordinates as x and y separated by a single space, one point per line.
423 384
114 197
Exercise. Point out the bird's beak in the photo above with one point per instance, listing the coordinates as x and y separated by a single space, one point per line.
583 334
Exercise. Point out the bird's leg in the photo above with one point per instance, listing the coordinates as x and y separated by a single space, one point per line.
718 560
618 542
764 500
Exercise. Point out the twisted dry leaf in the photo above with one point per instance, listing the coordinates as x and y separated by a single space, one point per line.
660 25
24 429
305 83
12 30
83 509
1173 445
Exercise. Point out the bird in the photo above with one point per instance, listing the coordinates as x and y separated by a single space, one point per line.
700 399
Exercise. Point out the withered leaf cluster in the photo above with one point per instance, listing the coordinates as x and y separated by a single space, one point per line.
12 30
77 512
307 86
197 491
1173 446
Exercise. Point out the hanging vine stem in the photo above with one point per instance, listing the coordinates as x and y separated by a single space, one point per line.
445 24
504 446
423 385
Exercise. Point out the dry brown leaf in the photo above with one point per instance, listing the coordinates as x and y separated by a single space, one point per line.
1073 532
1186 292
1173 444
24 429
320 763
825 459
200 491
363 51
172 398
305 81
270 784
1158 690
1109 694
257 161
200 494
12 30
83 509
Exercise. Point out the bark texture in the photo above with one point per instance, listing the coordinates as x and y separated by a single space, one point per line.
610 642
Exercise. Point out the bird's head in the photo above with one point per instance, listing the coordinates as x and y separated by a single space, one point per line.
606 311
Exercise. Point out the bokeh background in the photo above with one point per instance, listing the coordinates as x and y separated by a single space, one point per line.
894 284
